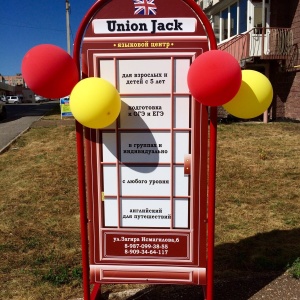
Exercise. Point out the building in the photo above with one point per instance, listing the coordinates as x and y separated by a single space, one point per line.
263 35
5 89
15 85
14 80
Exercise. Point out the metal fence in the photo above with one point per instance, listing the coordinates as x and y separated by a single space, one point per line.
265 43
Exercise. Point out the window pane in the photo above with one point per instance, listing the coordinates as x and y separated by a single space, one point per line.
243 16
224 20
216 22
233 19
257 16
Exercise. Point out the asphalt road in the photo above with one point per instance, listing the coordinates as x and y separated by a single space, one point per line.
19 119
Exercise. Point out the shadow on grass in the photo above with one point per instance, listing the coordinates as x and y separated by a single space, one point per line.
242 269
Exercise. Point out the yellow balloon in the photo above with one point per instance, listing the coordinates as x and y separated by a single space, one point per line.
253 98
95 102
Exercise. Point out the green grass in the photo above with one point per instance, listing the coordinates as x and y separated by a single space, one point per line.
39 213
258 193
257 208
294 269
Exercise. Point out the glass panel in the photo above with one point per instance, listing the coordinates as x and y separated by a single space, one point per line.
182 112
181 182
111 212
110 180
181 213
243 16
109 147
233 19
224 20
216 22
257 16
181 69
182 139
107 70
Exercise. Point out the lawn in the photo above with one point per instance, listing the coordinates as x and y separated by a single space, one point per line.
257 207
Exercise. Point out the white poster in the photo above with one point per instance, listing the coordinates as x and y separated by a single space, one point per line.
143 162
146 112
137 25
144 76
145 181
148 147
146 213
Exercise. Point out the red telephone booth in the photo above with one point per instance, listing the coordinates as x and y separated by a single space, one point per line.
143 180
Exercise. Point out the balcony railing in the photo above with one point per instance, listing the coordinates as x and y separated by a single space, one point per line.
264 43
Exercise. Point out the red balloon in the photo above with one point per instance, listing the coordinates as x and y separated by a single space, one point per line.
49 71
214 78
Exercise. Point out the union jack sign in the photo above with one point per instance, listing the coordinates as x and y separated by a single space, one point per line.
144 7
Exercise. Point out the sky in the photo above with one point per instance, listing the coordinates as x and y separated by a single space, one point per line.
28 23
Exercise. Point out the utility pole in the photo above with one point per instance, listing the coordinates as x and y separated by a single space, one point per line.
263 13
68 7
263 18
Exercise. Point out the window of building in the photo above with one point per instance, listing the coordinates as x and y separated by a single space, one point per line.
242 16
224 24
233 19
216 27
230 21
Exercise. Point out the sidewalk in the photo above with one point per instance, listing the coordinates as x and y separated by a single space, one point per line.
10 131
